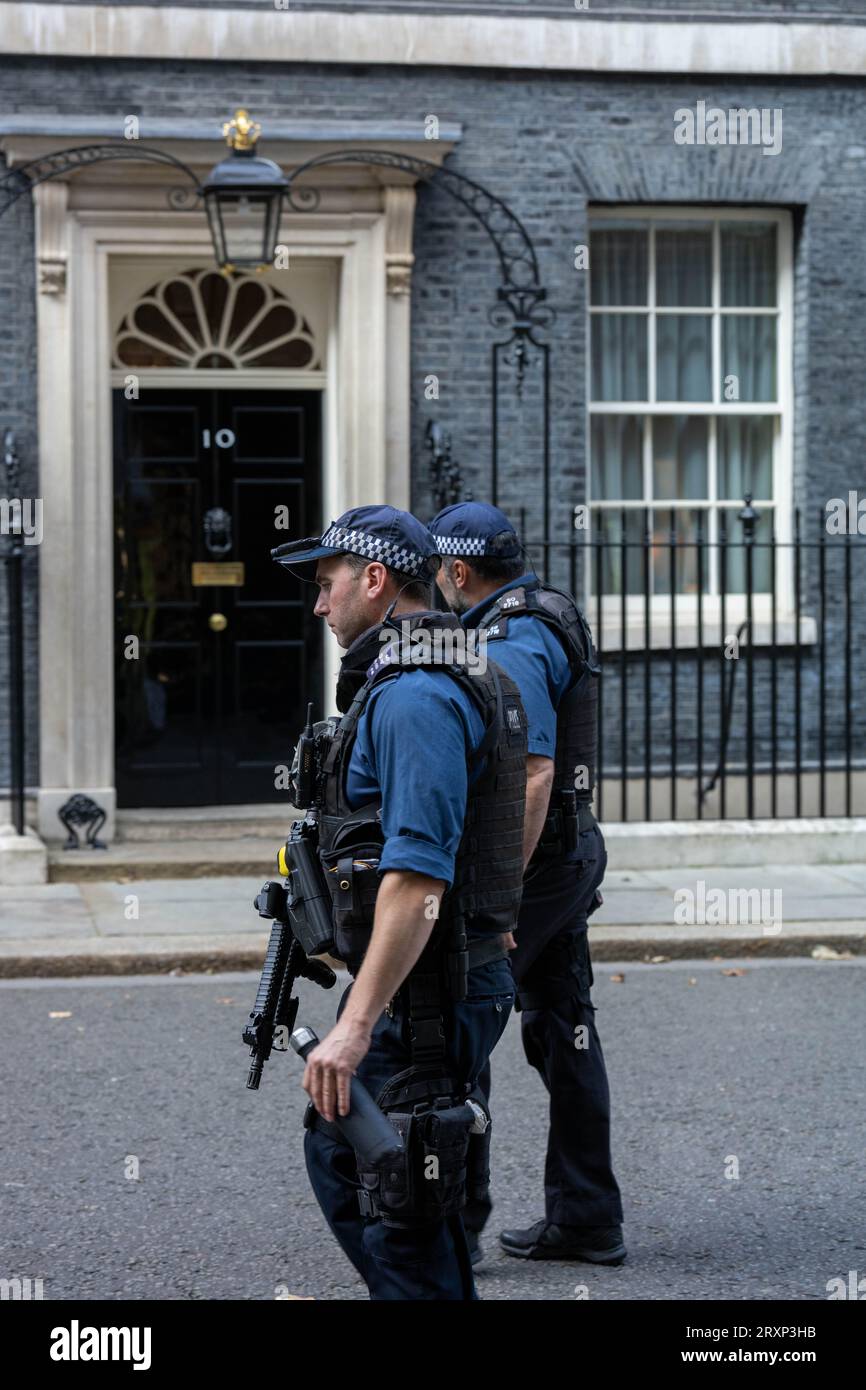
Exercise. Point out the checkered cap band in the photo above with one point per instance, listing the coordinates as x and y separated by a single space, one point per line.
461 545
374 548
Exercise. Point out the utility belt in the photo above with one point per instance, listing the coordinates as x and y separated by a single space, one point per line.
566 821
429 1109
429 984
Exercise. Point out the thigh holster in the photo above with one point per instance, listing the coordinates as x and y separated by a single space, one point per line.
427 1181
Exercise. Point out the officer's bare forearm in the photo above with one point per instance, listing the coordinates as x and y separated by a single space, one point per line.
539 780
405 917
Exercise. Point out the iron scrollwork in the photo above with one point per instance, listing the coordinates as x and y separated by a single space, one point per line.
445 478
521 296
521 309
82 810
18 182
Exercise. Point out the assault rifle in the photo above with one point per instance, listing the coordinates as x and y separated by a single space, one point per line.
300 909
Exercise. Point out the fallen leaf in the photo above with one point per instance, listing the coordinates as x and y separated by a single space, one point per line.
224 1001
691 980
60 1013
735 971
830 953
617 979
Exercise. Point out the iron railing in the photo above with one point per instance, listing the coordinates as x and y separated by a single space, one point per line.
12 555
733 680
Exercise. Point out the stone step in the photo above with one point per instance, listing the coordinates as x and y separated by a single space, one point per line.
127 861
202 823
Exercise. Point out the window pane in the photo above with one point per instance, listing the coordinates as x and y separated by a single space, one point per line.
684 266
617 452
746 456
608 526
679 456
619 357
618 265
749 264
680 546
735 554
683 357
749 357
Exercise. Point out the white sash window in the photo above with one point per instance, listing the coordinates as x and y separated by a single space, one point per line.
690 402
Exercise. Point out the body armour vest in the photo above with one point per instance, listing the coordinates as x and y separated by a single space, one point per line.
577 714
485 894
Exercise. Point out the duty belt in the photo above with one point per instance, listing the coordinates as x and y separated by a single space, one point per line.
421 992
563 826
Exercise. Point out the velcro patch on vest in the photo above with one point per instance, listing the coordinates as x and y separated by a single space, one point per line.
513 722
498 629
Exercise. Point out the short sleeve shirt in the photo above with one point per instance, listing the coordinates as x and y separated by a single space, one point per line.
412 751
533 656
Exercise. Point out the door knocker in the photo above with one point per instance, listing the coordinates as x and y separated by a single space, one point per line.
217 531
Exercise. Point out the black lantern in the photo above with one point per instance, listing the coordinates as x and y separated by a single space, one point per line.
244 197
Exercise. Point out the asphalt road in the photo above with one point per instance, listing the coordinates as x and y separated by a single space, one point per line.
765 1066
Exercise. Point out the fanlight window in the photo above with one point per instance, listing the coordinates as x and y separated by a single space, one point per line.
199 319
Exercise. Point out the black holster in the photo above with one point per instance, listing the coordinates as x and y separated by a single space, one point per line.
566 821
309 899
426 1182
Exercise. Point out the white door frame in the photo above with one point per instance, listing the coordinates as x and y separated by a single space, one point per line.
366 372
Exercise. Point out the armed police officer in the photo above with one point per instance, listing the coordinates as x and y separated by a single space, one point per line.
421 798
538 635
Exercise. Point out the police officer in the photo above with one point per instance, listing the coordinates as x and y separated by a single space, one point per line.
541 639
421 828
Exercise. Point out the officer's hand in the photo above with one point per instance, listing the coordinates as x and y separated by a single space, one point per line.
331 1065
509 941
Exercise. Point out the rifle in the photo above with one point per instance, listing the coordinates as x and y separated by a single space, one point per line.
276 1007
300 909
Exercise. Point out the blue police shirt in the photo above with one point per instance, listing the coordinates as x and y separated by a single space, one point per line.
413 744
533 656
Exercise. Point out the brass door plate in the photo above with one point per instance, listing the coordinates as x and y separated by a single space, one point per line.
213 573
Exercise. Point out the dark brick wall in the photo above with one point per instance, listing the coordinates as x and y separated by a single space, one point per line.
549 145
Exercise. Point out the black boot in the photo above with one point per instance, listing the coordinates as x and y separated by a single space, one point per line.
598 1245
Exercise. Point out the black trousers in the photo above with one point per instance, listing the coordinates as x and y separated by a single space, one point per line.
553 974
431 1261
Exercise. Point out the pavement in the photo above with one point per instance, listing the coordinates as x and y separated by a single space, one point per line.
183 924
138 1166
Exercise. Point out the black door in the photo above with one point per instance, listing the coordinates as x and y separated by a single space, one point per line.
212 678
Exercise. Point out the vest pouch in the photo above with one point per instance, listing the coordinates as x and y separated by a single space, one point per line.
351 867
388 1191
427 1181
444 1149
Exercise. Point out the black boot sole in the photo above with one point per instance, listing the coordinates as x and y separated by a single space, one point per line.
564 1255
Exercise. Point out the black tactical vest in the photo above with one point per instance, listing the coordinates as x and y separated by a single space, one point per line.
577 715
485 895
